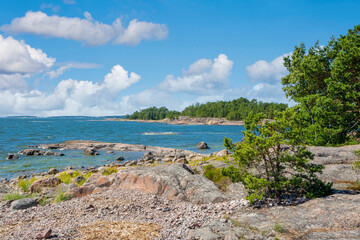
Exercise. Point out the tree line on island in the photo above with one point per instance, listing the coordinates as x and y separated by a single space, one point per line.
237 109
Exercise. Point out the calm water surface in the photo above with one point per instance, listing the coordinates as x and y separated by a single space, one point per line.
19 133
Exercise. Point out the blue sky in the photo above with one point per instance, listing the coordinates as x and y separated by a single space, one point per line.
82 57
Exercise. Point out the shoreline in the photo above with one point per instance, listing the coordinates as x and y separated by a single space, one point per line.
185 121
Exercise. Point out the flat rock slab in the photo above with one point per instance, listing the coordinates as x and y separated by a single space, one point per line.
324 218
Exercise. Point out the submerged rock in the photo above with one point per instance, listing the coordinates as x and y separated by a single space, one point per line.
120 158
90 151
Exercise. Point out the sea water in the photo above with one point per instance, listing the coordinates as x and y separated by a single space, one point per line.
17 133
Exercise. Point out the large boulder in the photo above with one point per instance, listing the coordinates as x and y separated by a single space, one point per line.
202 145
23 204
175 181
47 182
171 181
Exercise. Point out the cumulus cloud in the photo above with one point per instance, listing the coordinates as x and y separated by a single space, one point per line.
86 30
263 71
18 57
203 76
70 97
137 31
13 81
59 71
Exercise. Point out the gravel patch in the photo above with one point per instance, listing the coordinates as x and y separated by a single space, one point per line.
128 213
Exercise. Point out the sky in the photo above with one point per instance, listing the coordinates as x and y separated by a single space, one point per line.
106 58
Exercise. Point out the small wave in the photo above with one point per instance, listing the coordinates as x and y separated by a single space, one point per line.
159 133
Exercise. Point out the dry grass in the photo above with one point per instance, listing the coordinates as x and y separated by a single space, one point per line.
120 230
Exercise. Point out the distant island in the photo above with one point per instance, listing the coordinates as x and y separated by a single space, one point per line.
211 113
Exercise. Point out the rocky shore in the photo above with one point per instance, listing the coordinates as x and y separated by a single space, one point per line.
164 195
184 120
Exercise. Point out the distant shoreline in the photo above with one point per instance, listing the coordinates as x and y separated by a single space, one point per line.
185 121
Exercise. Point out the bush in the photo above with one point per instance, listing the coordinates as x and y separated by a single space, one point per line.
25 184
110 171
215 174
271 161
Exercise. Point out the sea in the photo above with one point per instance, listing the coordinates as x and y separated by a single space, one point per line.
17 133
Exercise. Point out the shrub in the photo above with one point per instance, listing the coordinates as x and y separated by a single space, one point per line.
215 174
271 160
110 170
65 177
25 184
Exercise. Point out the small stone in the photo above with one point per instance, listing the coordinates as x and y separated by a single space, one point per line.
165 209
78 179
120 158
44 235
12 156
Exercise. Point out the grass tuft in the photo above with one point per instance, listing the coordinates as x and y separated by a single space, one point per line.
62 196
110 170
25 184
17 196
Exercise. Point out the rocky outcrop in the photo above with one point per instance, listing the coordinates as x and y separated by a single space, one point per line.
83 144
338 162
38 152
333 217
173 181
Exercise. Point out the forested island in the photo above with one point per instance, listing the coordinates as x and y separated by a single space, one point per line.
237 109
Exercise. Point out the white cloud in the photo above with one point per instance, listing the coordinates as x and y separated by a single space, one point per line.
12 81
70 97
203 76
18 57
137 31
59 71
86 30
264 71
119 79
